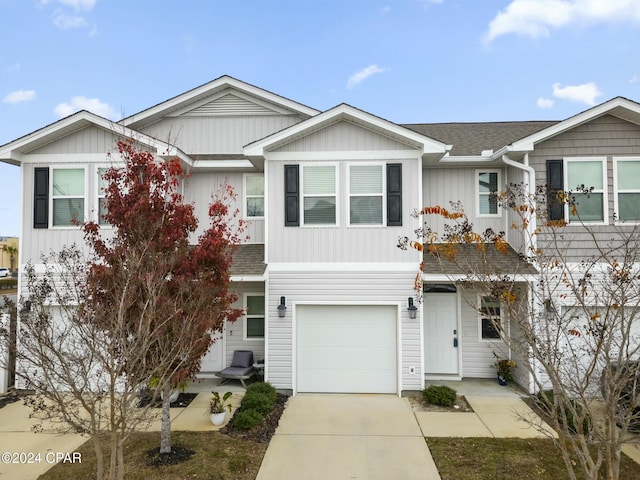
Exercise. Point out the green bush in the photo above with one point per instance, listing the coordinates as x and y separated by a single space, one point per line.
440 395
545 399
247 419
7 283
257 401
264 388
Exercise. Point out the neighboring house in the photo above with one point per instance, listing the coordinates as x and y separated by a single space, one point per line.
9 252
327 195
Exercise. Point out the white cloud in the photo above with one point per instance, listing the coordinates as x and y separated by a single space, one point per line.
68 22
19 96
544 102
363 74
585 93
93 105
535 18
79 4
634 79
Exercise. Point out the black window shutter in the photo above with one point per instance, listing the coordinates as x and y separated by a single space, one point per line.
555 184
41 198
291 196
394 194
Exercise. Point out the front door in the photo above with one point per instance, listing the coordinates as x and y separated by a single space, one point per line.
213 360
440 333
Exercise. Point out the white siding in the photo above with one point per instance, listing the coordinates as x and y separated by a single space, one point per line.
234 332
337 287
341 243
88 140
200 188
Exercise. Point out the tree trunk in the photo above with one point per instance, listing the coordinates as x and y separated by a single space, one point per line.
99 458
165 423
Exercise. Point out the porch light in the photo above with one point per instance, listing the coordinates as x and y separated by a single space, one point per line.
26 307
413 310
282 308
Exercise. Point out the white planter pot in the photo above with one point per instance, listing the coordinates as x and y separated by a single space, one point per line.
218 418
173 396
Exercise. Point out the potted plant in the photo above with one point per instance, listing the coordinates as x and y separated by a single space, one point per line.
505 367
217 407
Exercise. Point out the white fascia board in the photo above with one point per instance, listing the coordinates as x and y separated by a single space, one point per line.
248 278
346 112
223 164
444 278
466 159
344 267
210 89
345 155
527 143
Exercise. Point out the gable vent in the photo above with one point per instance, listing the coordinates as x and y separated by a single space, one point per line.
229 105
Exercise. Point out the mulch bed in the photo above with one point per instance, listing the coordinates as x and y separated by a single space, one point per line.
177 455
10 397
184 399
263 432
419 405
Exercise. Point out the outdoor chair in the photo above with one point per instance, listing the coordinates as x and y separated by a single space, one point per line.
241 368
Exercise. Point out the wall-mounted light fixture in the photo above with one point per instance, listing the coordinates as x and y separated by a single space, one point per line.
413 310
26 306
282 308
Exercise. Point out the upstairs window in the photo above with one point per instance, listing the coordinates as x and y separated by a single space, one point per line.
68 190
366 197
586 173
254 324
254 195
319 195
487 185
490 318
627 188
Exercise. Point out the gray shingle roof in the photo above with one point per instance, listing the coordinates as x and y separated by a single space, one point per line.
473 138
248 260
468 259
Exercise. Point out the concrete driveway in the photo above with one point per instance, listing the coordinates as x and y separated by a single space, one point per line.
364 437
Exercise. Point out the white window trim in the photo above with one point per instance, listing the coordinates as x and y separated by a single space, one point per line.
383 194
246 316
245 196
478 193
336 194
605 198
53 196
616 190
480 316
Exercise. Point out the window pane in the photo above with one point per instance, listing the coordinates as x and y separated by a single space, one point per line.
589 208
102 184
66 209
255 185
255 305
488 182
68 181
488 204
629 175
365 179
255 327
629 207
320 211
255 207
366 210
490 329
319 180
102 211
588 174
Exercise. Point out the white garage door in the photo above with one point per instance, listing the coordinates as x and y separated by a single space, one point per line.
346 349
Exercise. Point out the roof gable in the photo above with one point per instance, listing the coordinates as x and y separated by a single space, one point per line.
223 96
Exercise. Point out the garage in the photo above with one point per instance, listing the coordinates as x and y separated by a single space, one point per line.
346 348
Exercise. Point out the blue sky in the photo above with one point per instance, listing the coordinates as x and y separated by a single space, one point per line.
409 61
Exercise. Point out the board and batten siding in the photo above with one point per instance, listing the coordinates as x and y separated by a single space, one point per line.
334 288
607 136
341 243
343 136
199 190
441 186
234 332
87 140
218 135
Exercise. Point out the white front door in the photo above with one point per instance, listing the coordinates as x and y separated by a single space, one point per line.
213 360
440 333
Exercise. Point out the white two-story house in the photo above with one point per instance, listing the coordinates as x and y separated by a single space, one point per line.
328 297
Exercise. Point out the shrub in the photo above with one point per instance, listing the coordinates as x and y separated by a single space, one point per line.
257 401
264 388
7 283
247 419
545 399
440 395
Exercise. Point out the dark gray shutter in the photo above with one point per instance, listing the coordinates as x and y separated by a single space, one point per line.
41 198
555 184
394 194
291 196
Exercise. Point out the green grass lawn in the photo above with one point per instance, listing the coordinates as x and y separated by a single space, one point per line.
505 459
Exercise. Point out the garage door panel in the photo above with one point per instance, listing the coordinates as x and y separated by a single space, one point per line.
346 349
